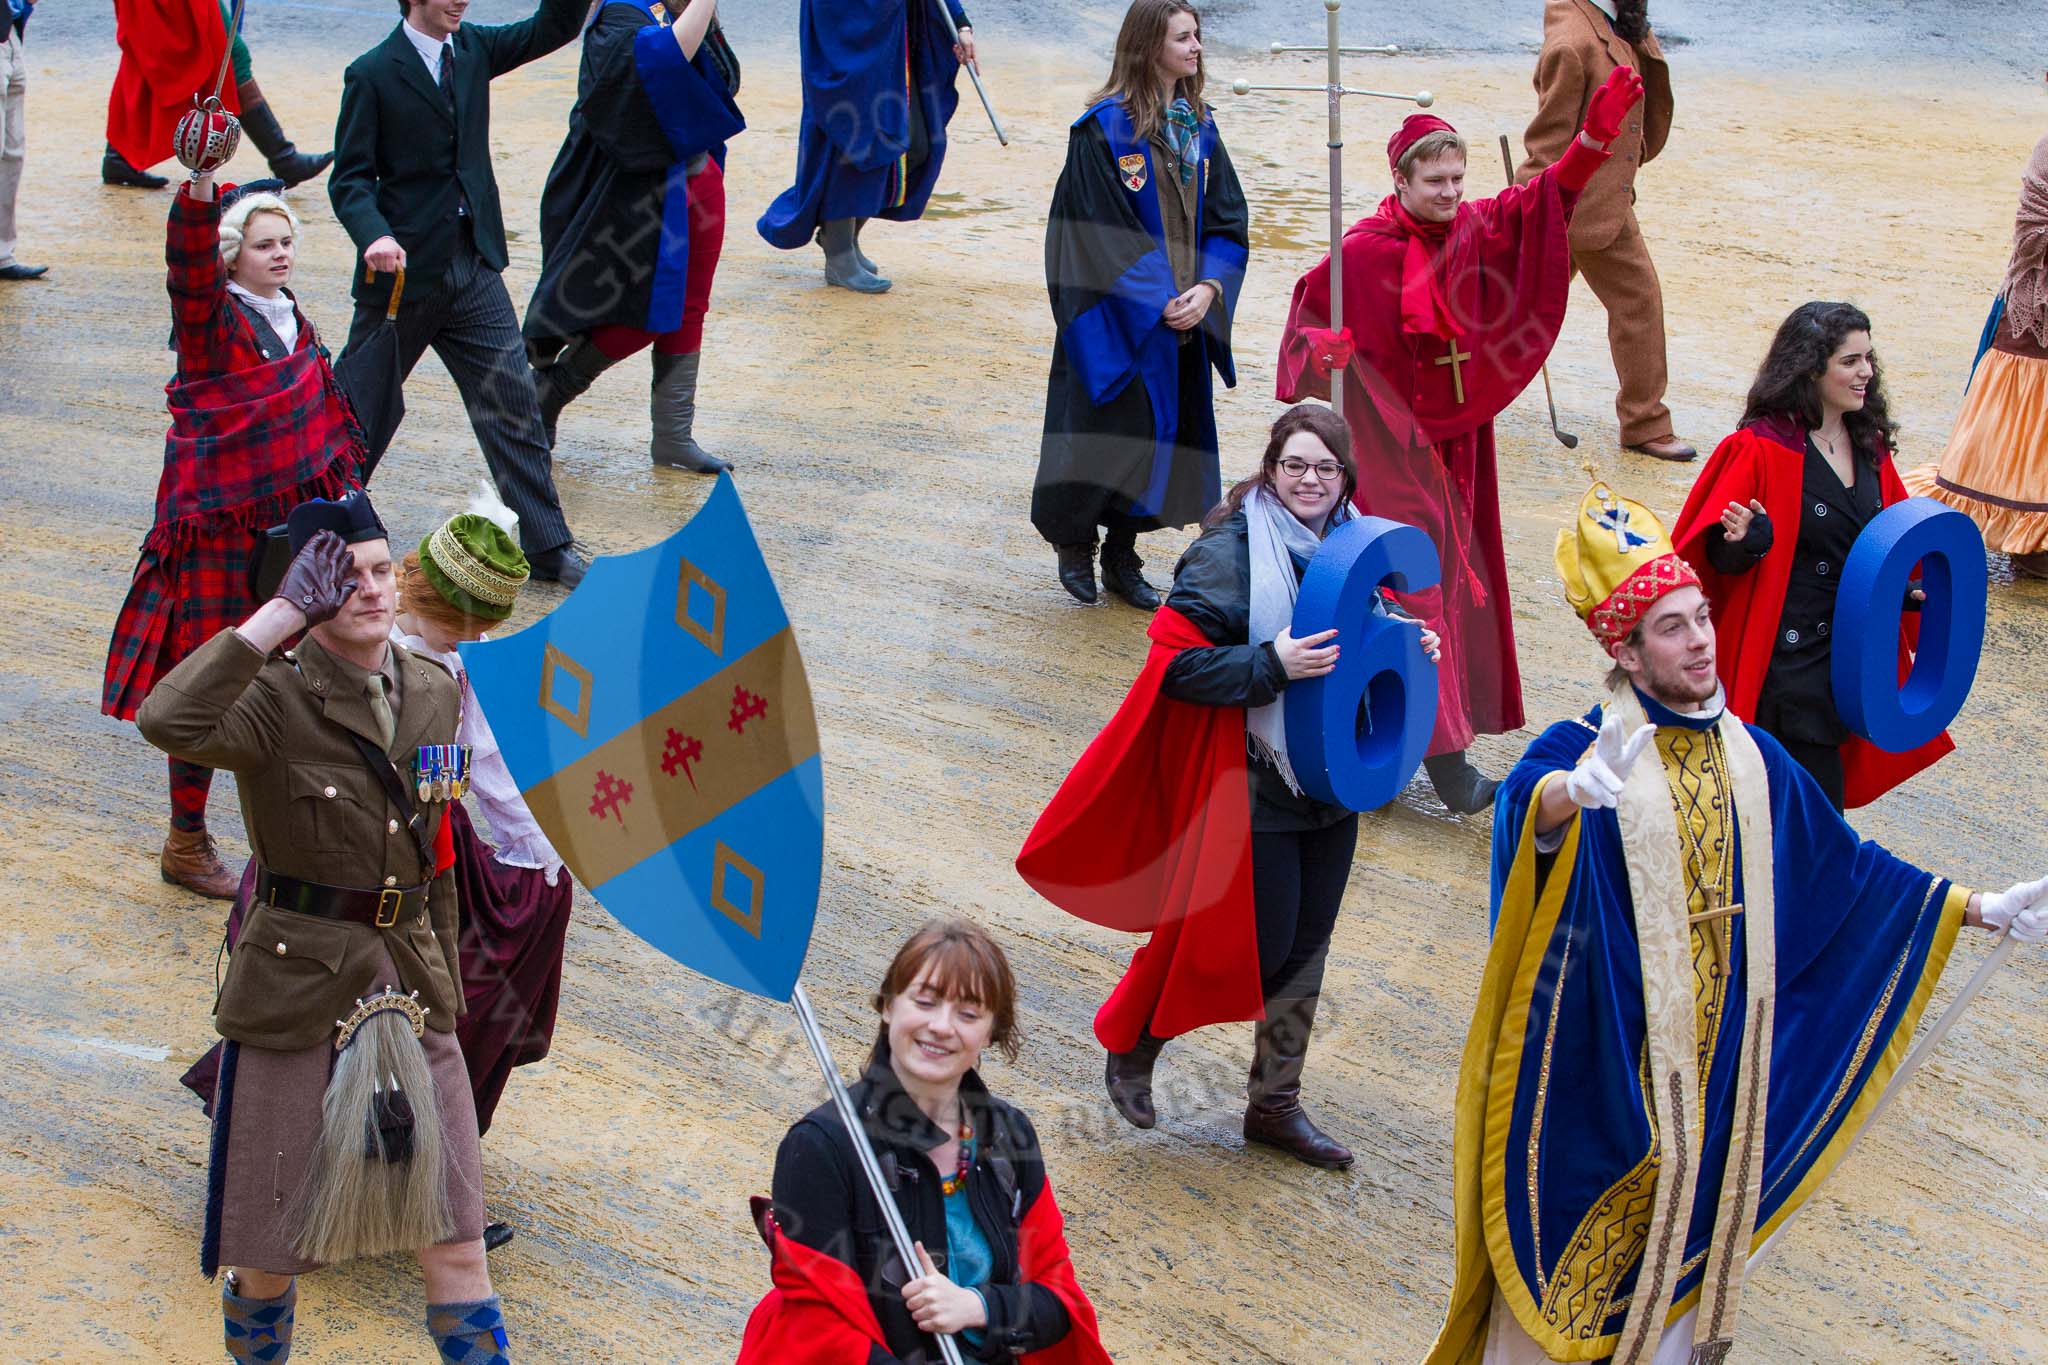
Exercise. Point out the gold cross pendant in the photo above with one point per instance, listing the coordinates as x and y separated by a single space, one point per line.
1719 912
1455 358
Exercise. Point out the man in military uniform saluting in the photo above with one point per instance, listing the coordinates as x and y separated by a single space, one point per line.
343 1124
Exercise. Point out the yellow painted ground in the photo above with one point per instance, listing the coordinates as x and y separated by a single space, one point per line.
886 448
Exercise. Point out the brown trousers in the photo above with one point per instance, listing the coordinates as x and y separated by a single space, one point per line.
1624 279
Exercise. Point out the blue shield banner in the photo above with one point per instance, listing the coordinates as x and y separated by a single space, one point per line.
660 727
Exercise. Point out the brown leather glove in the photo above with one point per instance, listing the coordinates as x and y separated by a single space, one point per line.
320 578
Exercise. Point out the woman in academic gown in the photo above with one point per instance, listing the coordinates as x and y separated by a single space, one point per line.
1770 524
633 216
1144 253
969 1179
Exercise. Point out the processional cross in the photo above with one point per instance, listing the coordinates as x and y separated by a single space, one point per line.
1336 90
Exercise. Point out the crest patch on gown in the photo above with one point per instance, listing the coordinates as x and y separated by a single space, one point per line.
1132 169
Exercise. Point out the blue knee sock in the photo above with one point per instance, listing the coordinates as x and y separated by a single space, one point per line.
259 1329
470 1333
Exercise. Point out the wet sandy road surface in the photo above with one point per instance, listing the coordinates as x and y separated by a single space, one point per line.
886 449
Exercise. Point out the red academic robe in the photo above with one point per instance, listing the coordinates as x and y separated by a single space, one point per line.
171 50
818 1312
1424 456
1767 461
1151 832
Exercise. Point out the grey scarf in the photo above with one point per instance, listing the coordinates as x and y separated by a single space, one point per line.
1274 539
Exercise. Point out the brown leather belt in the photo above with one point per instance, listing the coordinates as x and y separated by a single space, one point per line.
378 909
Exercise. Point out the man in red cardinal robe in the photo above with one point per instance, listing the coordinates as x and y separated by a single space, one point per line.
1450 308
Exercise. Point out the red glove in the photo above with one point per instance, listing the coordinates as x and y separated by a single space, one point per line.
1622 91
1328 351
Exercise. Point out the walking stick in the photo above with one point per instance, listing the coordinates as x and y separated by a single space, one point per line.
949 1350
1564 438
1002 138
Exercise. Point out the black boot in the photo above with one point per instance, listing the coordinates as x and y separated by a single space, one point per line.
1120 571
1077 570
675 413
1459 785
566 378
115 170
858 254
842 260
1274 1117
1129 1079
287 162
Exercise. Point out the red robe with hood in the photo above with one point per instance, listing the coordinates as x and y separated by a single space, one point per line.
1497 278
1766 460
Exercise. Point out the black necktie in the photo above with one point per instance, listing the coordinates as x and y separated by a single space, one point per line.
448 74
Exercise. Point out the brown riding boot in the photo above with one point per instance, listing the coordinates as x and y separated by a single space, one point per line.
1275 1118
1128 1076
191 860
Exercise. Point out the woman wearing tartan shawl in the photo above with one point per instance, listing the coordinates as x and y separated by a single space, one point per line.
258 426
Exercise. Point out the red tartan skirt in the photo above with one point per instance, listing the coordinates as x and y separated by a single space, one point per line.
242 451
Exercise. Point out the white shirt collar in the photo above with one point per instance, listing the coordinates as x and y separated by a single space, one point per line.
428 48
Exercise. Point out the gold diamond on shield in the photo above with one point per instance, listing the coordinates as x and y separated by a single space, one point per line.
577 718
711 636
726 861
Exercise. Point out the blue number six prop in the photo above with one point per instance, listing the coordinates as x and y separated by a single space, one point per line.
1872 701
1381 667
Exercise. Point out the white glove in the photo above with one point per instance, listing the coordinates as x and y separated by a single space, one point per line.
1601 774
2022 909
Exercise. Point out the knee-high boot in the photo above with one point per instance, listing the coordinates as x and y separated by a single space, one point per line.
675 414
287 162
1274 1117
1129 1079
566 378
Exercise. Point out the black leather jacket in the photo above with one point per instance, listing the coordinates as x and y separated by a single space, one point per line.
1212 587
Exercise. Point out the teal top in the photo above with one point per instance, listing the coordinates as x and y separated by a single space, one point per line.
969 1259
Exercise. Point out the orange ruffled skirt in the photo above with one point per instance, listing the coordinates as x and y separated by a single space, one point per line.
1996 464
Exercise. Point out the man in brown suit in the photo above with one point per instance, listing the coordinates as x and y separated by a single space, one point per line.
350 899
1582 43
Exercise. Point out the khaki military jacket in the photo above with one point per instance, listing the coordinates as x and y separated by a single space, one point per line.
314 811
1580 50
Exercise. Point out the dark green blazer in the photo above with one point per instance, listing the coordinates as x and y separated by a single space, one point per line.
402 162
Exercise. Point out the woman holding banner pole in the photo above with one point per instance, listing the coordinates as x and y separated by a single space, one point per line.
1207 707
969 1180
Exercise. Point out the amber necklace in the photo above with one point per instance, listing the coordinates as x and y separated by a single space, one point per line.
954 1183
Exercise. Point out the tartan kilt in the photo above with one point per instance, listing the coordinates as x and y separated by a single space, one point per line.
243 450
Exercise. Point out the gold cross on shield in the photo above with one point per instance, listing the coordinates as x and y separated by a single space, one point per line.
1455 358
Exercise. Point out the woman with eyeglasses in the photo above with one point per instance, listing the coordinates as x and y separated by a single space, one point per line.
1222 644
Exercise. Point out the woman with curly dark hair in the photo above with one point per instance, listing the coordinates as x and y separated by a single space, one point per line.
1768 527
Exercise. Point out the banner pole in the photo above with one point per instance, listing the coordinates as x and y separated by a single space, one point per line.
806 1020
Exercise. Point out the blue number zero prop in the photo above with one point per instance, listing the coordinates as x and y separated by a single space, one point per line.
1872 701
1361 762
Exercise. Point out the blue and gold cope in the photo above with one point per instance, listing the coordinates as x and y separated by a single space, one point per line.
1557 1150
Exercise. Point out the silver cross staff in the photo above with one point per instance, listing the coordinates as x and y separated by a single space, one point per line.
1335 89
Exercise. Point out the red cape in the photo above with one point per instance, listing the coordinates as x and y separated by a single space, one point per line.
818 1312
1151 832
1505 270
171 50
1767 461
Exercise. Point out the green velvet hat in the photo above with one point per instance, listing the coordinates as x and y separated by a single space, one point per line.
474 565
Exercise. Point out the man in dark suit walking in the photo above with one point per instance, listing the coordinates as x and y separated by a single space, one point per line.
412 183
